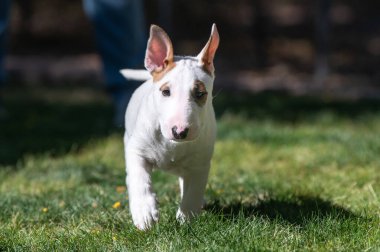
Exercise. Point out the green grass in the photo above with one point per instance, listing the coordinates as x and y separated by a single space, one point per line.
287 174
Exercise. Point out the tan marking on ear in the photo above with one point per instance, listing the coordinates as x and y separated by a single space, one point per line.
159 75
208 70
164 86
199 87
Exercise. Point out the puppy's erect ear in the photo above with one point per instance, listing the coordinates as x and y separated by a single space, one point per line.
159 51
206 56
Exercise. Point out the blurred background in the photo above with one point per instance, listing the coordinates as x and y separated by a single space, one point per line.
54 99
320 47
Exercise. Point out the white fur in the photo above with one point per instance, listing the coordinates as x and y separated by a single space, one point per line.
134 74
149 143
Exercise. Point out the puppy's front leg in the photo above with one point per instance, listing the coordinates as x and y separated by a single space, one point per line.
142 200
192 187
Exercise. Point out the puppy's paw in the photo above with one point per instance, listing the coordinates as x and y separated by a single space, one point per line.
144 212
182 216
186 213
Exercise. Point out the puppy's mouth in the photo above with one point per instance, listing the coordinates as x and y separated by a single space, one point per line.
173 140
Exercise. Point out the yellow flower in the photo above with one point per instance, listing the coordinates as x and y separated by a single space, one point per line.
114 238
116 205
45 209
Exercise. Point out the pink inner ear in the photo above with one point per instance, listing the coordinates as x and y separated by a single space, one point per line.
159 50
211 50
156 54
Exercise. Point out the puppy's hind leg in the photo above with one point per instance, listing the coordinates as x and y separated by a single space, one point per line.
142 200
192 187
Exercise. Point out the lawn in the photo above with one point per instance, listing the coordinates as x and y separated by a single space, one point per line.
288 173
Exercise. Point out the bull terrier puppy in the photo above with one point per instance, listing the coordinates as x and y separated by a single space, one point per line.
170 125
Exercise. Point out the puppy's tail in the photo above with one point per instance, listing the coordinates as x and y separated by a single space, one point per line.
133 74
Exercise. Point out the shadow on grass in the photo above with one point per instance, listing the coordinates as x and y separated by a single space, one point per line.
35 126
297 211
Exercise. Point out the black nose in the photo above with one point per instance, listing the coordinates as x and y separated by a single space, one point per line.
180 135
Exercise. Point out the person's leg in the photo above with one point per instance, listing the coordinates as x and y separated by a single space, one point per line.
121 40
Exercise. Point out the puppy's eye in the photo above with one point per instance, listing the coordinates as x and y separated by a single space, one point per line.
166 92
200 94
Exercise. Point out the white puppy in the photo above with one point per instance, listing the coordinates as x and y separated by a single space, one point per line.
170 125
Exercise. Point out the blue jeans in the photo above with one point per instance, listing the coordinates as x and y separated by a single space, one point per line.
5 6
121 41
120 35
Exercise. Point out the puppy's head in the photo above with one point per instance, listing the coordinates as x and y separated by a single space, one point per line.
183 85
